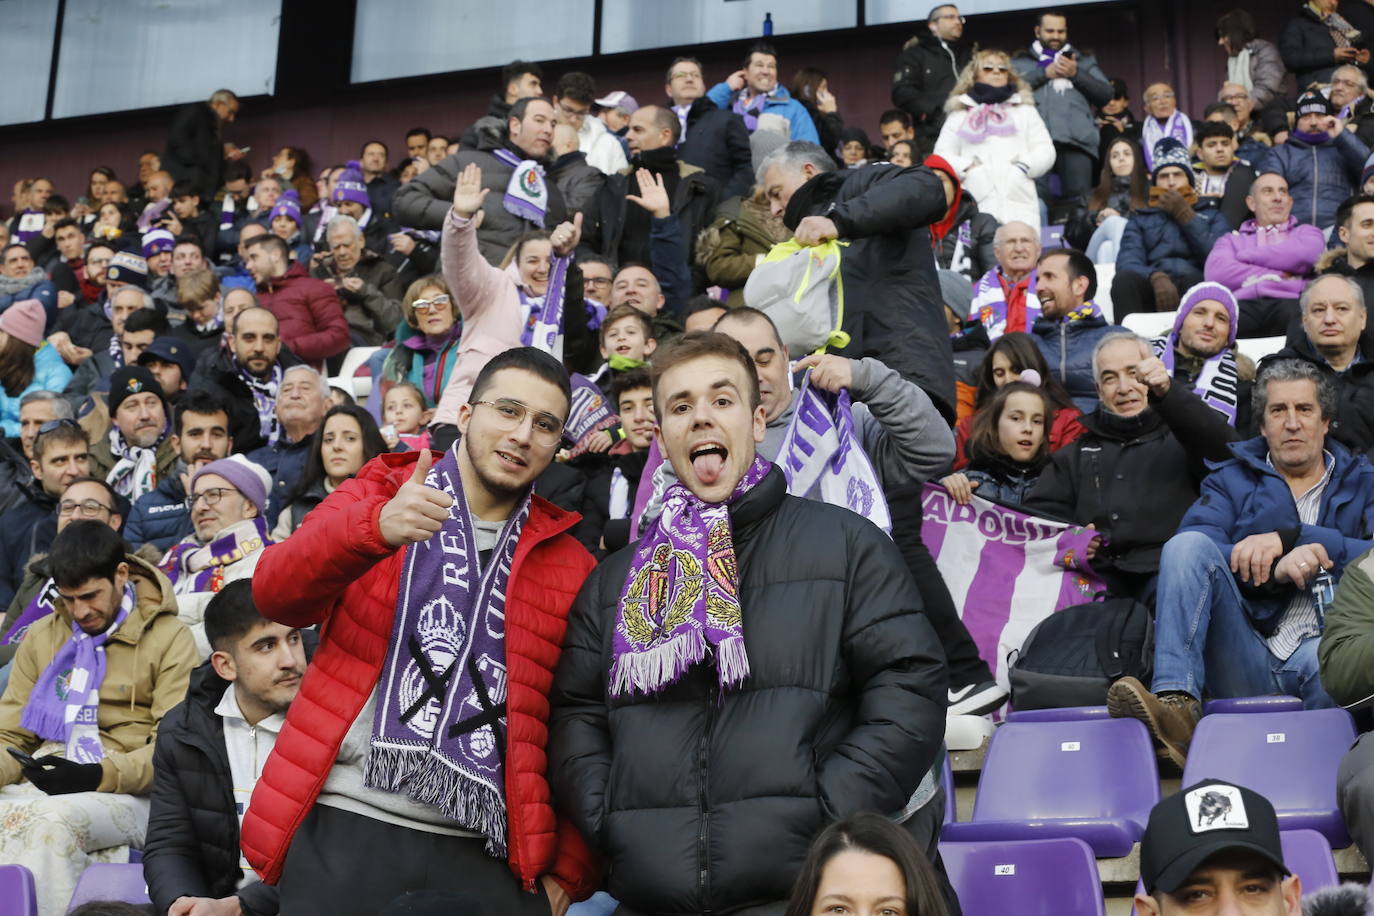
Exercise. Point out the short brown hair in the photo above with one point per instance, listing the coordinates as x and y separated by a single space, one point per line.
197 286
625 310
696 345
983 439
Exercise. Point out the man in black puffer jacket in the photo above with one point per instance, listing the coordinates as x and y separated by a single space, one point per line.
704 769
210 751
927 70
892 304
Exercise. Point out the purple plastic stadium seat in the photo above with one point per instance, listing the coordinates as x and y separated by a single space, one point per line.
1050 877
947 783
1288 757
1052 237
110 882
1094 779
17 894
1064 714
1252 704
1307 855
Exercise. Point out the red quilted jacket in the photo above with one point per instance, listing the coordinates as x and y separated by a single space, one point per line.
309 313
337 571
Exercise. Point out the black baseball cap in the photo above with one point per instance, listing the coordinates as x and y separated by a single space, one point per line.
170 350
1212 816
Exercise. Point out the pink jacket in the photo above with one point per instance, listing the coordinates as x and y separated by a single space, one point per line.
489 301
1251 270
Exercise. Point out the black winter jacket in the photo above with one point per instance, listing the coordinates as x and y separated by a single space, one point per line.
893 308
717 142
1307 48
1363 276
1353 426
1134 477
192 847
693 203
967 247
704 803
195 152
926 72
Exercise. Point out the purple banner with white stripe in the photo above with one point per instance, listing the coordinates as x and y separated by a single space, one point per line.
1005 570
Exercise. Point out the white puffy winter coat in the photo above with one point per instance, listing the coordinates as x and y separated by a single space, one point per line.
999 170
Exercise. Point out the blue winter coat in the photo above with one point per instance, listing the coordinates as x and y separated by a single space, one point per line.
1068 348
160 517
1319 177
42 290
779 103
1245 496
49 374
1153 241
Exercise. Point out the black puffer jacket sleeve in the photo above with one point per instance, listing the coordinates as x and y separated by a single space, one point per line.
892 200
898 673
171 861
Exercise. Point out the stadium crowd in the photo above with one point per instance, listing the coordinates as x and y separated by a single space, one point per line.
612 588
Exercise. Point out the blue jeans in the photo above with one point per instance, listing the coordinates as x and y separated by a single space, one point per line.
1203 638
1106 240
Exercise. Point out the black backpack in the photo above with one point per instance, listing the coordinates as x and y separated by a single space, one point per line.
1074 655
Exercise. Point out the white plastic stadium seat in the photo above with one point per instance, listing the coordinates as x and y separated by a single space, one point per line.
356 359
1150 324
1257 348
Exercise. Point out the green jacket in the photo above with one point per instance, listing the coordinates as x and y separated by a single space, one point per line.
103 459
1346 653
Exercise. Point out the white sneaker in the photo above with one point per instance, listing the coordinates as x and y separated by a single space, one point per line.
976 699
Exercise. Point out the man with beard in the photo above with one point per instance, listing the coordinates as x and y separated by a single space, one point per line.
161 517
250 371
1137 469
137 452
1200 352
1069 323
341 819
692 194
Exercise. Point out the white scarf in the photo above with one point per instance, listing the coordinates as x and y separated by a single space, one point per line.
1179 126
135 473
1238 70
1060 84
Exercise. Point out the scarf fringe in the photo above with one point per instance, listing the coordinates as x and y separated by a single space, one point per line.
650 670
476 806
732 662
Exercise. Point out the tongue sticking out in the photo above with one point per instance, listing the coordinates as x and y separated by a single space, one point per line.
708 466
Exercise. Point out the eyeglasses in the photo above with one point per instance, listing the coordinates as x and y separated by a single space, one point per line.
575 113
684 74
1236 97
89 508
54 425
1159 96
436 304
546 429
212 496
596 281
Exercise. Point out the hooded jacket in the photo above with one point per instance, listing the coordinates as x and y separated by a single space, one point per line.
1353 425
148 664
423 202
893 309
730 247
1154 242
1320 177
311 317
1250 270
778 102
1246 495
1069 113
707 802
967 247
1097 479
336 570
1002 180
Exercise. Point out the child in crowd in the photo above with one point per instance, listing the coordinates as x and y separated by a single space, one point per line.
405 414
1007 448
627 342
1008 358
613 478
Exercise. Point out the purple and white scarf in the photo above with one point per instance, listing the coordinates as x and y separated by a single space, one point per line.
544 318
264 399
588 412
820 451
1218 383
135 469
527 193
195 567
116 352
30 225
990 303
1043 60
681 599
65 701
440 731
1179 126
750 112
985 121
39 607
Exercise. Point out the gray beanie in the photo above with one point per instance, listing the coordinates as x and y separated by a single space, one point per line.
956 292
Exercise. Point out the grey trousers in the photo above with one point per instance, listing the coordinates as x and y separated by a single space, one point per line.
1355 793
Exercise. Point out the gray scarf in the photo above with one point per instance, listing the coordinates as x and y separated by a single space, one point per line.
13 286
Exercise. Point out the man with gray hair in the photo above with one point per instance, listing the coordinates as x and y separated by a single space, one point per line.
1136 470
1000 296
1349 95
302 400
1245 584
368 287
196 152
893 308
1335 340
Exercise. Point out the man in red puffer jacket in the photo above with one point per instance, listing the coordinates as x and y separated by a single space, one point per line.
414 757
312 320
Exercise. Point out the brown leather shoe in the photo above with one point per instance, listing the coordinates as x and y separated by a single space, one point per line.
1170 717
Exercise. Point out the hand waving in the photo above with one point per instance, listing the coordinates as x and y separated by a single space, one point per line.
416 512
468 192
653 195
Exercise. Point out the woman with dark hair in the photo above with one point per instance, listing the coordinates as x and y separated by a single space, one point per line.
811 87
1250 62
346 440
1010 355
27 361
864 862
1124 186
113 221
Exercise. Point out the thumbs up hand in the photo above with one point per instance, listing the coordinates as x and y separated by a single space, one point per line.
416 512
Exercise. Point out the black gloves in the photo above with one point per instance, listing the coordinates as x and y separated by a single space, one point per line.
58 776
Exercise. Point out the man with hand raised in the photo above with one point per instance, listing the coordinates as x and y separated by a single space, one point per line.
414 756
